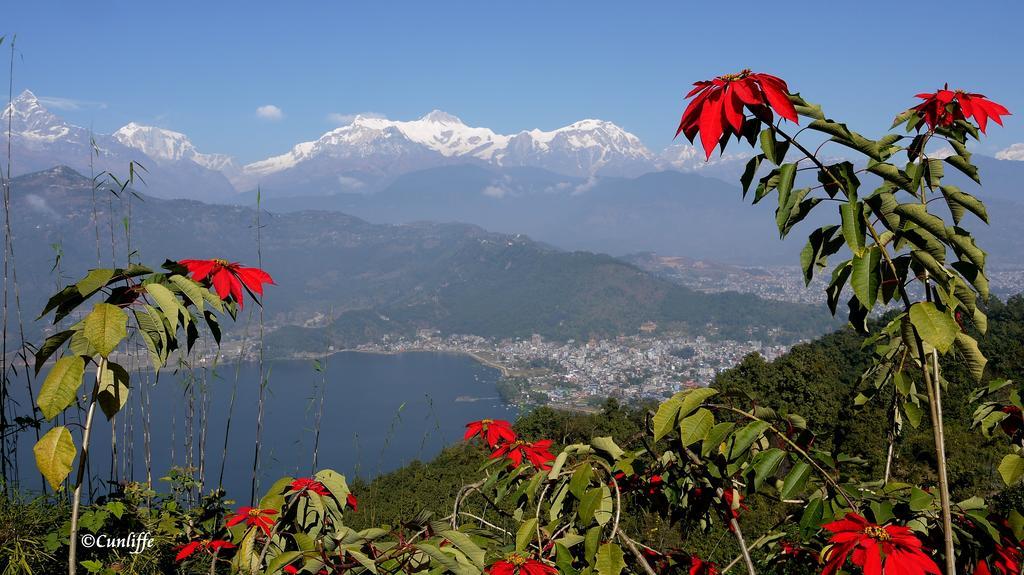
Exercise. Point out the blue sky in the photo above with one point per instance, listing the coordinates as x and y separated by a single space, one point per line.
204 68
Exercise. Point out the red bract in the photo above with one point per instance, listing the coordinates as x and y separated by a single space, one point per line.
945 106
516 564
261 518
352 502
492 431
187 550
734 499
718 106
536 453
700 567
306 484
227 278
875 548
1008 559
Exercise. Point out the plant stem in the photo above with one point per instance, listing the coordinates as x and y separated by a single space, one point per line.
76 500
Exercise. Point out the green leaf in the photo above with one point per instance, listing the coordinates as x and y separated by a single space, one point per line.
795 480
918 214
745 437
959 201
1011 468
696 427
968 347
105 327
465 544
716 437
821 243
335 483
589 504
281 560
865 278
610 560
693 398
607 445
113 389
192 290
853 226
664 419
964 165
60 388
749 172
50 346
765 464
935 327
527 532
167 302
55 453
93 281
580 480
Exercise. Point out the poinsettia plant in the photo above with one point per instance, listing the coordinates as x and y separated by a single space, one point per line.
156 306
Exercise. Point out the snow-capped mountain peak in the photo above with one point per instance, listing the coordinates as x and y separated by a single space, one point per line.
34 122
166 145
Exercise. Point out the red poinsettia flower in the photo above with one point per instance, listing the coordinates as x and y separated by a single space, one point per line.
536 453
307 484
492 431
943 107
187 550
718 106
700 567
261 518
874 548
227 278
1007 560
352 502
516 564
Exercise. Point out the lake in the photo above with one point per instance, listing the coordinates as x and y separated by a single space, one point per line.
381 412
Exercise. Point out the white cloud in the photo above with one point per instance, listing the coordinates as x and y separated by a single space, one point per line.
270 112
59 103
1014 152
585 186
493 191
345 119
350 184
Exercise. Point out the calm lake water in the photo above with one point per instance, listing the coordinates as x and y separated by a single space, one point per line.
381 412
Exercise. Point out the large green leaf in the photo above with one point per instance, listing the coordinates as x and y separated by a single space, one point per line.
105 327
795 480
607 445
610 560
696 427
465 544
61 386
664 420
935 327
55 452
168 303
192 290
854 229
526 533
113 389
93 281
865 278
968 347
50 346
1011 468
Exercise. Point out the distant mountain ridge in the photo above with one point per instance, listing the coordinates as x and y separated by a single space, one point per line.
41 140
379 278
362 156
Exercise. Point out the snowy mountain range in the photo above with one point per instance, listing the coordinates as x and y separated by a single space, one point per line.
363 156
